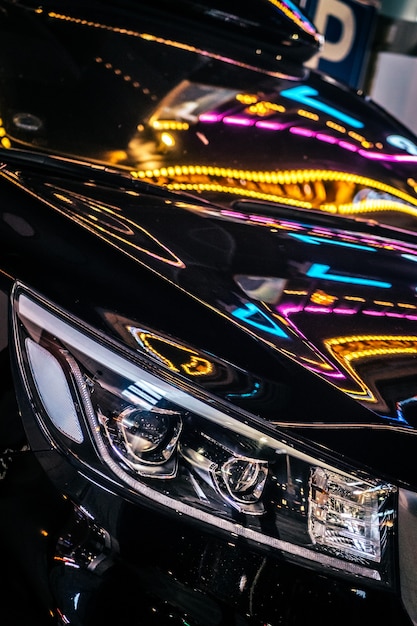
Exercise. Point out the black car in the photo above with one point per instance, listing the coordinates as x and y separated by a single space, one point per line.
208 281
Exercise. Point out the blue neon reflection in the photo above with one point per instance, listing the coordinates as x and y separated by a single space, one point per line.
410 257
317 270
401 406
318 241
290 5
248 394
403 143
307 96
253 315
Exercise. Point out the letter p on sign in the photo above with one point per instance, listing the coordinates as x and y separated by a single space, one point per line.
327 11
348 28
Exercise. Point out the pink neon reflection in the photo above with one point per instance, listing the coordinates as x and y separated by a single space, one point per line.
262 220
348 146
238 121
287 309
326 138
373 156
317 309
304 132
374 313
342 311
377 156
307 132
210 117
235 214
270 125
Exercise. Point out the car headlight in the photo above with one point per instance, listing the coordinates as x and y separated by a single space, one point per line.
112 409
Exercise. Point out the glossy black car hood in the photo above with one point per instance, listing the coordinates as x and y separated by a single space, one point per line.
234 187
313 317
334 295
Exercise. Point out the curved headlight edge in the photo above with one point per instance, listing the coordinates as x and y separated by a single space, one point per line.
189 452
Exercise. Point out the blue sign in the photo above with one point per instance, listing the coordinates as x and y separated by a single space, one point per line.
348 27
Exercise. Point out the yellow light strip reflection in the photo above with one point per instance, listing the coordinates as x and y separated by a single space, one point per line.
160 40
375 206
334 126
263 108
284 8
281 177
199 187
348 349
308 115
195 366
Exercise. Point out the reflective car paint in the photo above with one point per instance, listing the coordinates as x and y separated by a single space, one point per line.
192 224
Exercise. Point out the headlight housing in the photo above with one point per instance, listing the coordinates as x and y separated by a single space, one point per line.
115 412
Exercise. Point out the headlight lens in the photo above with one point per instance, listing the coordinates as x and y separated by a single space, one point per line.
107 407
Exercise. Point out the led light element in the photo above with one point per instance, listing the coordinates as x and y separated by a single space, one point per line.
54 391
344 515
